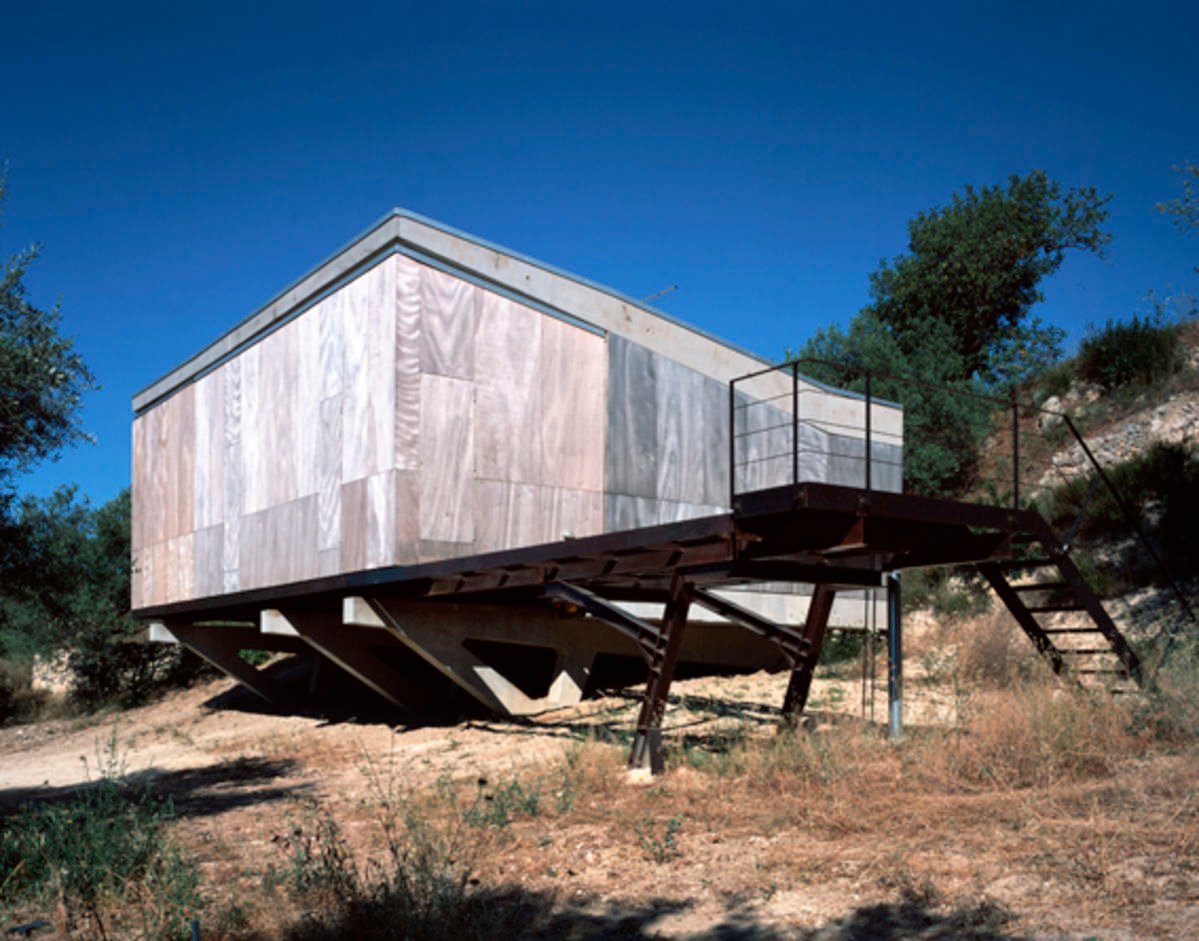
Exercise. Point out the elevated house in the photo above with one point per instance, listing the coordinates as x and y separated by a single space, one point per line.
438 463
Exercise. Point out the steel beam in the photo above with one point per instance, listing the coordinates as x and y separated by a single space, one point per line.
800 683
647 740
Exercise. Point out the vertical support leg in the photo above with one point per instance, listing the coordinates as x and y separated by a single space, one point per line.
894 656
814 627
647 742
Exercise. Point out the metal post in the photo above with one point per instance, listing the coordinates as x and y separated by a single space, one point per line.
868 447
732 442
894 656
1015 454
794 423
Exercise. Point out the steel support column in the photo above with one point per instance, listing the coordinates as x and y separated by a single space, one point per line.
895 655
800 683
647 742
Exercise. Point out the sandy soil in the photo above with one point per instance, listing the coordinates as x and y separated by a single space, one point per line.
241 773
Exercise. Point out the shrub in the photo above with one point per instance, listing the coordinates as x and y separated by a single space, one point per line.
105 857
1141 351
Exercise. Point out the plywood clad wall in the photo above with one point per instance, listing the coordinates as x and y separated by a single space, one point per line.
408 416
667 455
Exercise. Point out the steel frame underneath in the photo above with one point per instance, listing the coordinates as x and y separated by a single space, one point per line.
831 536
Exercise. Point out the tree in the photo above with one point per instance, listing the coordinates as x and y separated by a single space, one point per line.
42 381
1185 209
42 377
975 268
953 316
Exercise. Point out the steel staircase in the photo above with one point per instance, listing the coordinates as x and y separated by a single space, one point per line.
1052 602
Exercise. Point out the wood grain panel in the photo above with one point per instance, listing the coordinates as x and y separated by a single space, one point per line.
209 547
447 459
632 433
564 510
210 450
180 584
233 471
407 517
138 572
714 423
507 515
368 416
354 512
681 435
507 391
332 344
328 456
254 495
276 467
140 496
573 387
182 450
449 313
309 385
407 363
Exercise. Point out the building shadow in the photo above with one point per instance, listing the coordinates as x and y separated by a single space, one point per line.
191 792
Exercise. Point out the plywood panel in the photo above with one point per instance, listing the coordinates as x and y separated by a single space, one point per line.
252 480
508 515
180 584
278 376
449 313
380 527
368 416
332 344
141 498
209 547
233 471
407 363
210 450
182 451
447 459
714 422
681 434
575 512
309 385
507 391
328 456
632 449
573 386
407 517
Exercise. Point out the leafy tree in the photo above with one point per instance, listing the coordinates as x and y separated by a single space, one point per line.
1185 209
953 316
975 268
70 594
42 381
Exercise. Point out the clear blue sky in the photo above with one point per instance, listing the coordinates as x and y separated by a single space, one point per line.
182 163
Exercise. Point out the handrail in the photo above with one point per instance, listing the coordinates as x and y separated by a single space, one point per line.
791 370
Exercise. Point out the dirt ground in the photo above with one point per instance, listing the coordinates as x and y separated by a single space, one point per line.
674 856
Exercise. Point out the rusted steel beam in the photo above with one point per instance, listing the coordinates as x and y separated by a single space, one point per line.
646 637
791 643
800 683
647 740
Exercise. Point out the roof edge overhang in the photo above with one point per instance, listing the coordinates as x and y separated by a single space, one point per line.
492 265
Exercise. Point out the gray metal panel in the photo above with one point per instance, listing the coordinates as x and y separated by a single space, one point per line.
631 455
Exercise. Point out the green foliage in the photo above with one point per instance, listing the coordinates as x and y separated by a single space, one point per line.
1160 488
1141 351
498 807
1185 209
70 594
659 849
944 421
42 378
103 856
952 316
974 267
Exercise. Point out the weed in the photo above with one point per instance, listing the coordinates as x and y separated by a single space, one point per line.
104 856
498 807
1140 351
658 849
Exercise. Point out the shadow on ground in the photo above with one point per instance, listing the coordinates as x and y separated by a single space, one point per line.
514 912
194 792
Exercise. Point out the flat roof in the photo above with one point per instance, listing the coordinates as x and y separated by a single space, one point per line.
493 266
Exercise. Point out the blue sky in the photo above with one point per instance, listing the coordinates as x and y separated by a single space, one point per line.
181 164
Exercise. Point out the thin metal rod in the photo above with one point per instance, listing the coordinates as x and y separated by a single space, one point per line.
1015 454
795 423
869 448
894 656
